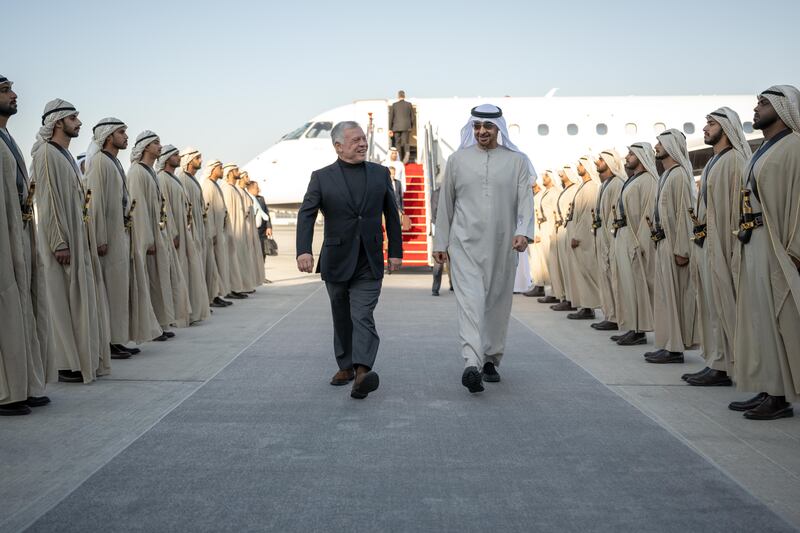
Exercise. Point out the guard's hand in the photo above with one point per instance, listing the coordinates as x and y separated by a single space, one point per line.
395 264
520 243
269 232
102 250
440 257
537 239
63 256
151 250
575 243
681 261
305 263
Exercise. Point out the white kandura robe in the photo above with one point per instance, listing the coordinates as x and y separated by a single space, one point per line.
485 201
767 344
545 232
200 232
608 196
562 241
254 242
583 259
234 231
217 214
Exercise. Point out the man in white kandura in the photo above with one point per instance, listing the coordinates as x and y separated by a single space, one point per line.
485 217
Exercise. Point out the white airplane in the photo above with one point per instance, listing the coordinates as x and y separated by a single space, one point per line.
552 130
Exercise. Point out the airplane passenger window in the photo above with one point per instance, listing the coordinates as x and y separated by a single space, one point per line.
601 129
296 134
572 129
320 130
748 127
631 128
688 128
659 128
544 129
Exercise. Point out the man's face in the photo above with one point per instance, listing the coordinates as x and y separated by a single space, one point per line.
547 179
8 101
71 126
255 190
216 172
153 149
631 161
393 155
119 139
174 160
354 146
564 179
764 115
601 165
197 162
485 133
712 133
581 170
661 153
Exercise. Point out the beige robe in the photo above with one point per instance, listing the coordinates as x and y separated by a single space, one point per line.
235 236
546 225
538 260
254 242
562 241
607 197
71 289
632 270
25 366
767 343
217 214
180 221
712 264
103 318
674 300
583 259
484 202
200 232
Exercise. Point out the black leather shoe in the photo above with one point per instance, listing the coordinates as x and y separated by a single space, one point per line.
236 296
362 386
133 351
752 403
583 314
773 408
471 379
565 305
434 293
605 325
665 357
537 290
216 304
621 336
220 301
490 374
37 401
654 352
169 334
634 339
161 338
14 409
695 374
548 300
712 378
117 353
69 376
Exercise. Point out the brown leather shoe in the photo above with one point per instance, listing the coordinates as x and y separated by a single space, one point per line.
343 377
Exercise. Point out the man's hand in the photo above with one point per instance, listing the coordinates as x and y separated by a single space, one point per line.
102 250
63 256
537 239
269 232
681 261
177 242
575 243
520 243
151 250
395 264
305 263
440 257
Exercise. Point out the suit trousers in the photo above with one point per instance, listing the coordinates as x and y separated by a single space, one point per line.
401 140
355 339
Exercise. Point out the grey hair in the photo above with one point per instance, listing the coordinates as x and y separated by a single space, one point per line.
337 133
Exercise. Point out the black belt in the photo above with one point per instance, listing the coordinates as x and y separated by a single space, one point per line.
618 224
699 234
747 225
657 235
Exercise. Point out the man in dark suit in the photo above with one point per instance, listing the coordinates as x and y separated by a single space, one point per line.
353 195
401 123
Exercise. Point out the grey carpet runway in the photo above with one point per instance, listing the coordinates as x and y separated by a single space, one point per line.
269 445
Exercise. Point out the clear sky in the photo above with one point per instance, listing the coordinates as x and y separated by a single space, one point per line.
231 76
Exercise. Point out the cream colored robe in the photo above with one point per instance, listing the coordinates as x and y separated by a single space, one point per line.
632 270
71 290
608 196
547 209
25 366
712 265
674 300
583 259
562 242
536 258
254 242
767 343
200 232
235 236
485 201
217 214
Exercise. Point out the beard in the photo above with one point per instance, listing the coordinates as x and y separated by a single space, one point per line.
7 110
661 156
765 122
714 139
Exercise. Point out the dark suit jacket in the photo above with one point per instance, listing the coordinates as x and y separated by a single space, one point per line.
401 116
267 223
347 224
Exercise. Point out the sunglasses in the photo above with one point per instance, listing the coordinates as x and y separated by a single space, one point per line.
485 125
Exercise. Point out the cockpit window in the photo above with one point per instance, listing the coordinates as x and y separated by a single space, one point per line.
296 134
320 130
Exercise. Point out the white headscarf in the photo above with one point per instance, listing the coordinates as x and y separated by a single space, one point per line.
227 168
54 111
786 101
572 174
646 156
209 167
615 163
728 119
674 142
553 177
492 113
100 133
142 140
591 168
187 154
166 152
